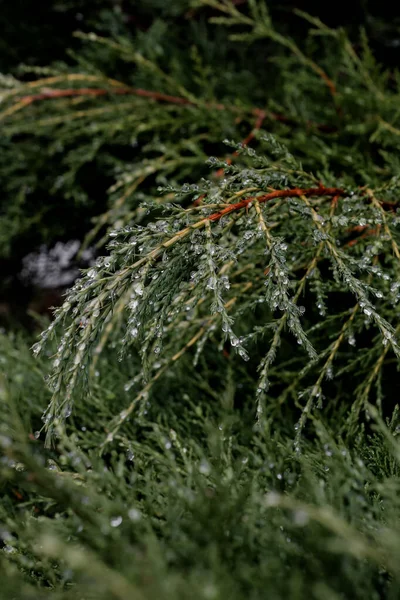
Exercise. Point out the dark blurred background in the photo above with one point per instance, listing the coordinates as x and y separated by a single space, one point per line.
37 33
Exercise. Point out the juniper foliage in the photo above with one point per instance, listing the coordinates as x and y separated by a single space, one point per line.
238 338
188 502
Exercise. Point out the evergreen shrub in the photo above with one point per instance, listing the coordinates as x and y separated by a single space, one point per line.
220 407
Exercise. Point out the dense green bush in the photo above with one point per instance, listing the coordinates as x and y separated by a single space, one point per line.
234 352
188 502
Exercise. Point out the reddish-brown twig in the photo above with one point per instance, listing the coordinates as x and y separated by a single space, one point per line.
294 192
220 172
159 97
334 202
122 91
257 126
367 232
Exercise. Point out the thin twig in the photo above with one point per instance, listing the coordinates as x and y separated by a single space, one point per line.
50 94
257 126
294 192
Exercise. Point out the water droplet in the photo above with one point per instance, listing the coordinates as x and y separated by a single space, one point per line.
225 282
300 517
116 521
67 411
211 283
243 354
352 340
133 304
204 467
138 289
134 332
36 435
210 591
273 499
36 348
234 341
134 514
5 441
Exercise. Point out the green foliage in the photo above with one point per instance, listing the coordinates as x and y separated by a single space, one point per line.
237 274
234 352
189 502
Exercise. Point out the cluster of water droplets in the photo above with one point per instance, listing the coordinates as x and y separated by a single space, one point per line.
218 284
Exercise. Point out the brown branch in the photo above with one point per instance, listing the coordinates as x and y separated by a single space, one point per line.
367 232
295 192
334 202
128 91
220 172
257 126
50 94
328 81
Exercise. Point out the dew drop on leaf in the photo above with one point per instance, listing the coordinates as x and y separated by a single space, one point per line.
116 521
134 514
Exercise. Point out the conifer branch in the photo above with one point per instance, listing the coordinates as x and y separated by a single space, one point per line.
236 333
124 90
294 192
